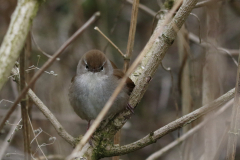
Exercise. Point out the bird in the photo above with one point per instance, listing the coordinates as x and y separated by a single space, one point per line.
95 81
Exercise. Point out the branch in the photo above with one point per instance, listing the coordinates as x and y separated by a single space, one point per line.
189 133
48 64
131 35
153 13
48 114
15 37
154 136
24 107
206 3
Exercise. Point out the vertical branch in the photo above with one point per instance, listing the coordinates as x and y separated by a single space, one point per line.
131 35
130 45
184 83
184 78
28 49
235 123
24 109
210 79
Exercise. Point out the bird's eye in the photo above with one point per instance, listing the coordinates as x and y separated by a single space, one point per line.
101 68
87 67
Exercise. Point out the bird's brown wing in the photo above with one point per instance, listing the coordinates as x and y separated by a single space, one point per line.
129 83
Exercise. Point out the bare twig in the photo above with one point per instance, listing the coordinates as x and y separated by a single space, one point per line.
235 124
43 52
206 2
222 143
35 138
54 157
144 8
96 28
189 133
131 35
230 52
154 136
47 64
153 13
6 141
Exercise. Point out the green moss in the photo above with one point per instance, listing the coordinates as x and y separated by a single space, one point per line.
169 4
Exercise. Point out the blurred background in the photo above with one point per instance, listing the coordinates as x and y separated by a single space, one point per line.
164 100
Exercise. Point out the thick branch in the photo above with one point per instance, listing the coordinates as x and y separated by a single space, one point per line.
16 35
153 137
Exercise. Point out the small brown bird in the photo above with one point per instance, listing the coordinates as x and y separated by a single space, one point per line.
96 79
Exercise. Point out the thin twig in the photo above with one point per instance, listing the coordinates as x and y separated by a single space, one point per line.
96 28
6 142
115 22
131 35
230 52
54 157
43 52
35 138
47 64
222 143
189 133
144 8
207 2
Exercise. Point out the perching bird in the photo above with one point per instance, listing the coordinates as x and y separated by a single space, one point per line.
96 79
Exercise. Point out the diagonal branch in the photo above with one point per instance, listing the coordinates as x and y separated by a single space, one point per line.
48 114
154 136
189 133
